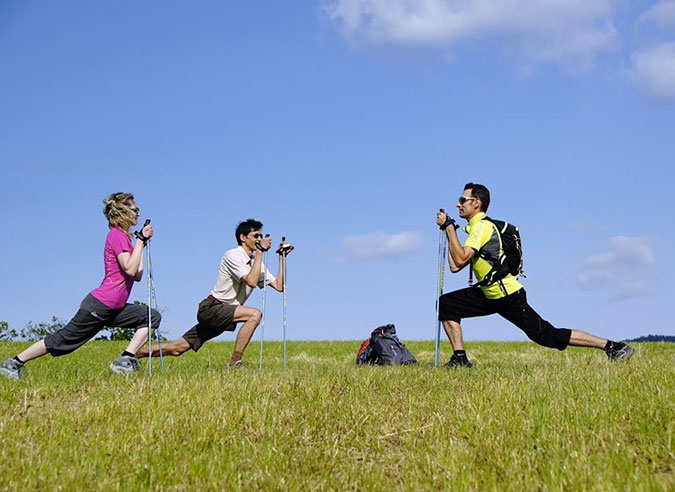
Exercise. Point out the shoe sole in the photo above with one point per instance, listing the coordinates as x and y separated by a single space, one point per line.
458 366
121 370
10 374
625 354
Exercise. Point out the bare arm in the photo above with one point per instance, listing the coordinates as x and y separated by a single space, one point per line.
283 251
139 274
278 283
132 263
458 255
253 277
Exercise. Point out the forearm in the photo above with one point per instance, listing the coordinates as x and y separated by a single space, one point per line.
253 276
132 263
457 255
278 283
139 273
453 266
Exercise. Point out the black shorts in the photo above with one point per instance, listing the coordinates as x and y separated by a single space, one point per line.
471 302
213 318
91 318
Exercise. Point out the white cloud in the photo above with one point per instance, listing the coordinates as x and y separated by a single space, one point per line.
627 251
625 271
544 30
382 244
654 70
661 15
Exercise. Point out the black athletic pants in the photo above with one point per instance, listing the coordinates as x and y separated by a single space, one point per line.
91 318
471 302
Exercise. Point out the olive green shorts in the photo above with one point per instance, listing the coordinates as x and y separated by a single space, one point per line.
213 318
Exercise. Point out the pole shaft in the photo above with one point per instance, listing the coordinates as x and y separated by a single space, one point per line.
284 307
149 281
264 294
439 292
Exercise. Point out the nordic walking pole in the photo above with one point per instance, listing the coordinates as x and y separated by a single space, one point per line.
264 295
148 277
154 305
283 250
284 305
440 280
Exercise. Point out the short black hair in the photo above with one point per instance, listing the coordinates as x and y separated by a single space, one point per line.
481 192
245 227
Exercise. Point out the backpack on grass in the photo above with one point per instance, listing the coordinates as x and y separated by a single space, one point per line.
511 259
384 348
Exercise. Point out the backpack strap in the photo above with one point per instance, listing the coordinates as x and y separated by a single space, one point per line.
499 268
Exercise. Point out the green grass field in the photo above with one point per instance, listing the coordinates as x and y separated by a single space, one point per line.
524 418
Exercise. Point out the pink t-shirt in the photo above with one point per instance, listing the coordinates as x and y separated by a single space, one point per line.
116 286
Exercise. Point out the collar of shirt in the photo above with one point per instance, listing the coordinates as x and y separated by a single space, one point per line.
477 218
244 254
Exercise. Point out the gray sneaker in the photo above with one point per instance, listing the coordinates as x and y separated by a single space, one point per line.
623 352
12 369
125 364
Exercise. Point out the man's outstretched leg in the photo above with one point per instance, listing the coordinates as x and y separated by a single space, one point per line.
174 349
614 350
521 314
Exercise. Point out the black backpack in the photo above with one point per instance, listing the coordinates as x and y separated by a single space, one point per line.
384 348
511 259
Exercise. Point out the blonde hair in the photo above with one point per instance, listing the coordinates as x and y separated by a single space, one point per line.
117 208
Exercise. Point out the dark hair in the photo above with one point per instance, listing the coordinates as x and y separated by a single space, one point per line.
245 227
481 192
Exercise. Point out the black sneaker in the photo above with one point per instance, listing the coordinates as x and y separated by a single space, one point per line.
620 351
12 369
456 362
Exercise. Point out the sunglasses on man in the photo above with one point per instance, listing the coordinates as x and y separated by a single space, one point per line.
463 199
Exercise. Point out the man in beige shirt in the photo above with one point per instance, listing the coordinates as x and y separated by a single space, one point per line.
240 271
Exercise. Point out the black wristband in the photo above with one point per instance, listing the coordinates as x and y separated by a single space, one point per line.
140 236
449 221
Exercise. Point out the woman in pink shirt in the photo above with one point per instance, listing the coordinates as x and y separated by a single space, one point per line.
107 305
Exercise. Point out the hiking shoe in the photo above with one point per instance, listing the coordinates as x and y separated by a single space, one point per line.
236 366
125 364
456 362
620 351
12 369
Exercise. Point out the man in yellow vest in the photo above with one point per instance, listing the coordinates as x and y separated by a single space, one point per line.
507 296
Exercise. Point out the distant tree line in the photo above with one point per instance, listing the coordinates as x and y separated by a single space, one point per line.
654 338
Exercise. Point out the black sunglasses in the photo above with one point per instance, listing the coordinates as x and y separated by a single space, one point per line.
463 199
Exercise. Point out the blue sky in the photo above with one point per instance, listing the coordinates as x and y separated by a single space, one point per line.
343 125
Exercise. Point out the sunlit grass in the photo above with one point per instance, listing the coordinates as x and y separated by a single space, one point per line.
524 418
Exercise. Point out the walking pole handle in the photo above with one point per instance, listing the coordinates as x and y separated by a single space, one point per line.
448 221
139 234
284 249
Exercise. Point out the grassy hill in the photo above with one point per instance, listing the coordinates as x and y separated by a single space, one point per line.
524 418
